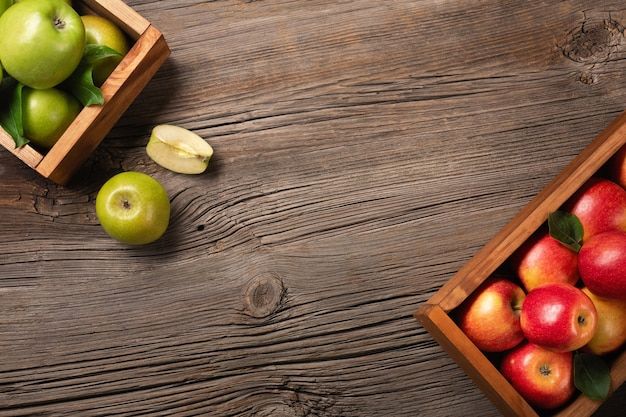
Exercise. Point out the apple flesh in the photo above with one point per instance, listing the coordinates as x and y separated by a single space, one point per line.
610 334
179 150
558 317
133 208
544 378
600 205
542 259
602 264
41 42
490 316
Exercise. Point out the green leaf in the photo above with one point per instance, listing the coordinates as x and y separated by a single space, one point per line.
80 83
94 53
566 228
591 375
11 111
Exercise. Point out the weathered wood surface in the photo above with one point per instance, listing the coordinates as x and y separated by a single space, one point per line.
364 151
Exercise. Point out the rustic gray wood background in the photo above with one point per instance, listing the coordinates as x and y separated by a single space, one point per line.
364 151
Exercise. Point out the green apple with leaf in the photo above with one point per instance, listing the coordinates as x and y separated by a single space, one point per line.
133 208
46 114
101 31
41 42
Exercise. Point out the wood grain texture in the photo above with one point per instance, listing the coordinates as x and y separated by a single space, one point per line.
364 152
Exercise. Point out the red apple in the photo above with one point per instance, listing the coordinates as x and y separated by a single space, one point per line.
490 315
558 317
602 264
542 259
611 331
600 205
544 378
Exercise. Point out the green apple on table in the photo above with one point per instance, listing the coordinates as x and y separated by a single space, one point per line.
41 42
133 208
46 114
102 31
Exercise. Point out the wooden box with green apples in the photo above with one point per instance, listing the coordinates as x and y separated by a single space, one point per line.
61 98
537 318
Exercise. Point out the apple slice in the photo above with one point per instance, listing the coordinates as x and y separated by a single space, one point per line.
178 149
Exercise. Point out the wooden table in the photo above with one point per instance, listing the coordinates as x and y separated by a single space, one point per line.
364 151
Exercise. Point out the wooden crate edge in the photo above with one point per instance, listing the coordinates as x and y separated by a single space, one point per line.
473 362
533 215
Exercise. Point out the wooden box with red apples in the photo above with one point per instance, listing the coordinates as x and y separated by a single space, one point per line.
148 51
439 315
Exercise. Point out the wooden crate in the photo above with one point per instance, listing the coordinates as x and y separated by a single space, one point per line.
148 52
434 314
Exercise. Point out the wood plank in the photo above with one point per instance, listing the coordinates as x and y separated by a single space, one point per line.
364 152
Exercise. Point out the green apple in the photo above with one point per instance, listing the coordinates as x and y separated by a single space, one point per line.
133 208
46 114
101 31
69 2
41 42
178 149
5 4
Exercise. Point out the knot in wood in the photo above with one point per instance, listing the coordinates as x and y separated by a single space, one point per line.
593 43
263 295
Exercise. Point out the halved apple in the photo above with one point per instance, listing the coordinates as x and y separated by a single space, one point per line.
178 149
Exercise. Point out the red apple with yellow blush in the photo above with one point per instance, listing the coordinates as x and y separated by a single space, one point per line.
600 205
542 259
610 334
490 315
